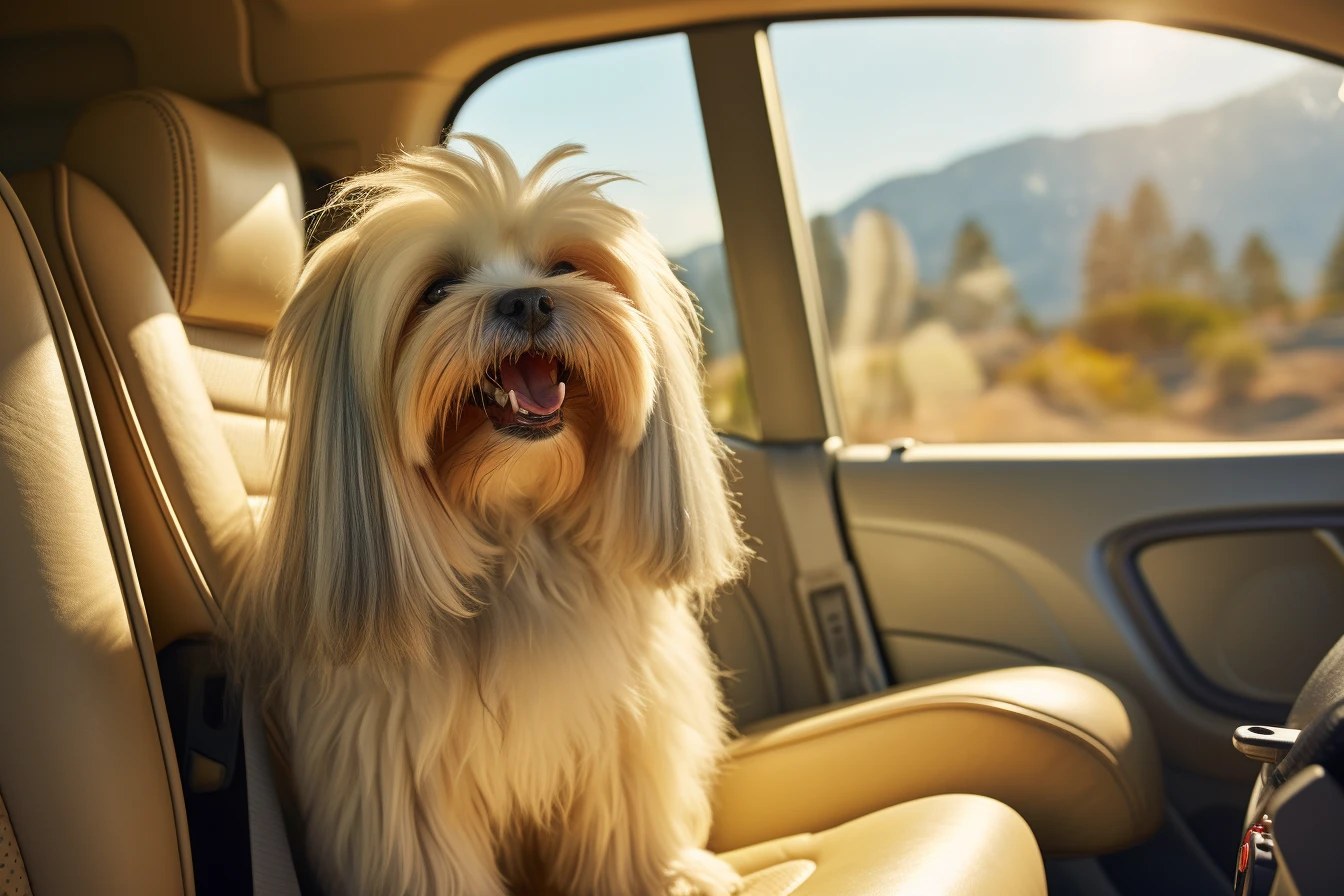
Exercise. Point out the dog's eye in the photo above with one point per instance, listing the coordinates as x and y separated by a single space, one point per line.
561 267
440 289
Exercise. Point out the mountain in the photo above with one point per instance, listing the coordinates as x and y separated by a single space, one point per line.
1271 160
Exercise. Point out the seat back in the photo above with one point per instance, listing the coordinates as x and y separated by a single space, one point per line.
90 800
175 233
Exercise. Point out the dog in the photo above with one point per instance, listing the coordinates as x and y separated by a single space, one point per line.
499 514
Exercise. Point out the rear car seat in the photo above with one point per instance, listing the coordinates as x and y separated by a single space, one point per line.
86 760
176 236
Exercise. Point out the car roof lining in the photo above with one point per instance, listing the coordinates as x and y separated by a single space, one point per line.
269 45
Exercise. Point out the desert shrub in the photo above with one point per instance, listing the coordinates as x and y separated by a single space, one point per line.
1330 304
727 396
1232 359
1153 321
1080 378
1027 323
870 385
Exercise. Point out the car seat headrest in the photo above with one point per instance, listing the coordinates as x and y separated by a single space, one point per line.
216 199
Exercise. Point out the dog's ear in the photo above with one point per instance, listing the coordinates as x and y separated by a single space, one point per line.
677 505
341 565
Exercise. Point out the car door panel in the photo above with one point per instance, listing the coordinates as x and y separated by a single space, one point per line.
1026 533
916 656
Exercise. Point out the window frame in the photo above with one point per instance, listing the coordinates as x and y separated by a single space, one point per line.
779 304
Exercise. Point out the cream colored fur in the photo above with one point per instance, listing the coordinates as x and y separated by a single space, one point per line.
485 651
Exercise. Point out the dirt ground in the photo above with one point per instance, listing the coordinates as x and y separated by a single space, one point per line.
1298 395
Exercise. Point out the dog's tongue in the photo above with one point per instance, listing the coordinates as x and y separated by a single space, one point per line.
534 382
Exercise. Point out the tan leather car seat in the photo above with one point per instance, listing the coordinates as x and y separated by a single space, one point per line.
176 235
89 795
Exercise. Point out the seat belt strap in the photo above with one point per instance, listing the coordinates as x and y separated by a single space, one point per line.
273 871
828 590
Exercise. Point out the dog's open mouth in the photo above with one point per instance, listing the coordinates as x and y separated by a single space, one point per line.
523 395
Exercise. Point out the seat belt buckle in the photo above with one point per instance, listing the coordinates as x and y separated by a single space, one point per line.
1256 863
204 713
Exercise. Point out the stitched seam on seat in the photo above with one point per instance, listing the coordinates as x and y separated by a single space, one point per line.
191 177
184 183
1051 724
122 391
150 99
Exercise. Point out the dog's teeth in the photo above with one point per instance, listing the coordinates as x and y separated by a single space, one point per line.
524 412
555 375
562 393
500 398
513 401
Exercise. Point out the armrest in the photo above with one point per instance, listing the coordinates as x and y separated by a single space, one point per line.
1073 756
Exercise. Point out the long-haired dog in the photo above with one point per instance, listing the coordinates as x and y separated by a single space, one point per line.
499 513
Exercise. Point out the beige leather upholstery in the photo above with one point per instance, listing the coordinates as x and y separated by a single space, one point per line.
954 844
1072 755
87 772
170 210
215 199
233 369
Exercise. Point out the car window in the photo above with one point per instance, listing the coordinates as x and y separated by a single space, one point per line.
1032 230
633 104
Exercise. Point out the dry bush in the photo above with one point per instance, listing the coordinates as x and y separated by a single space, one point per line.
1073 376
1153 321
1232 359
870 385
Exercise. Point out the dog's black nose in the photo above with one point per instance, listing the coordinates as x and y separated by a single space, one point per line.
529 308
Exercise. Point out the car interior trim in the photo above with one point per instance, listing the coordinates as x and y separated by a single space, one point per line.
1122 551
765 237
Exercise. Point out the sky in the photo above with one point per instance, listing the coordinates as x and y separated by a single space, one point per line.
864 100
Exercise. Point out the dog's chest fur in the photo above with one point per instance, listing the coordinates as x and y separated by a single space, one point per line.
527 706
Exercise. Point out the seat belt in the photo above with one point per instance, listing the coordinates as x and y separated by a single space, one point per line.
826 585
273 871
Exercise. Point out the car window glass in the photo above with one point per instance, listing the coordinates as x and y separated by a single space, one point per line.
1034 230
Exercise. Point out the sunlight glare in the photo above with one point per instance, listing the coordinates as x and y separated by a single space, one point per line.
1123 48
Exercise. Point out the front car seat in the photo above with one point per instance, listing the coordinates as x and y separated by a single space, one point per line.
174 233
90 800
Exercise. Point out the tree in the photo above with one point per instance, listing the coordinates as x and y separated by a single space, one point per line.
971 250
831 271
1259 281
1108 263
1194 266
979 291
1150 234
1332 276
